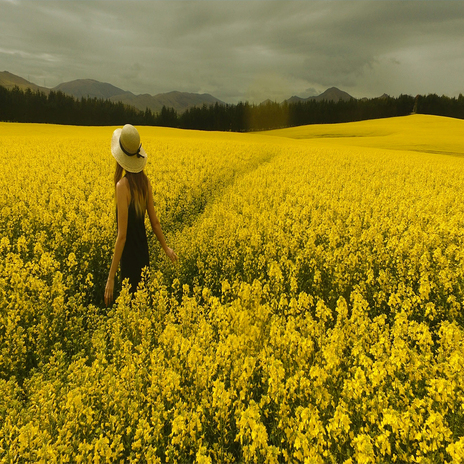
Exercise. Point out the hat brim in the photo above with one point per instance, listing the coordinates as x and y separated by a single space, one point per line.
132 164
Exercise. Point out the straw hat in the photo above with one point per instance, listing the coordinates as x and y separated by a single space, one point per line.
127 149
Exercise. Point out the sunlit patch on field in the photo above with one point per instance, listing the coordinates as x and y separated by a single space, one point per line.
315 314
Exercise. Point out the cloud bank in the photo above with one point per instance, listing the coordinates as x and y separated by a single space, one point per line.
238 49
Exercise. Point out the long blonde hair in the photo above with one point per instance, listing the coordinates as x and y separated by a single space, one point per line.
138 185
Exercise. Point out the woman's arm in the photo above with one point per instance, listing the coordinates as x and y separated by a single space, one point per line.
156 226
122 202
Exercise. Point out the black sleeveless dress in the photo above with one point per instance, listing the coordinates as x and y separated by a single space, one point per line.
135 254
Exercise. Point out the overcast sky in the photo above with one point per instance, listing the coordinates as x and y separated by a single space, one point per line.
239 49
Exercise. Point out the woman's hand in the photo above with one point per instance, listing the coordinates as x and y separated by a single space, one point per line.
171 255
109 291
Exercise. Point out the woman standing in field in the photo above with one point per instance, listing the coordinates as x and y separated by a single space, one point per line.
134 197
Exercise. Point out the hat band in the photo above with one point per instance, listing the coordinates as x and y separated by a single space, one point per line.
131 154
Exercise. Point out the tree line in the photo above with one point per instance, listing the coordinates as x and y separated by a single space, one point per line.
18 105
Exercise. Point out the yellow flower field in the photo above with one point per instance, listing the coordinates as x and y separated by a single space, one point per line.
315 314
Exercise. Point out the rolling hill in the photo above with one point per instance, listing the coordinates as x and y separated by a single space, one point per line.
9 81
89 88
180 101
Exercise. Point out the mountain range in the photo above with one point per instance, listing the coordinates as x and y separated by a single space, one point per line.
180 101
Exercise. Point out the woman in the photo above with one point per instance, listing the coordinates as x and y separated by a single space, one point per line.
134 197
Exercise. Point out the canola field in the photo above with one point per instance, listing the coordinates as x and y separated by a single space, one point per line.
315 314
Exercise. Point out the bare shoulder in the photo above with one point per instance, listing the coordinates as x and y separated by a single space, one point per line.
123 184
123 189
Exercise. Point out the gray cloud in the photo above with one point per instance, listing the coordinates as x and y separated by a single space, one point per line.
236 49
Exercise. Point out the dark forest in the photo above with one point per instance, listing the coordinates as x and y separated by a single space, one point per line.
18 105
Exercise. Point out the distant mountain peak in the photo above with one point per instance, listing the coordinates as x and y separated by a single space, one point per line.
89 88
331 94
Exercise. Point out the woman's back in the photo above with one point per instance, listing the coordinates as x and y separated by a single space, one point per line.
135 255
